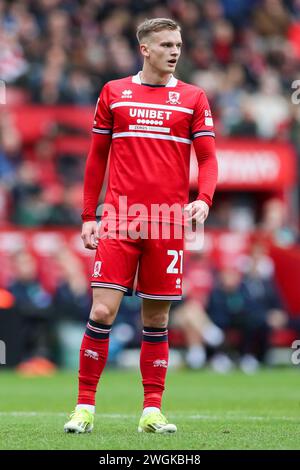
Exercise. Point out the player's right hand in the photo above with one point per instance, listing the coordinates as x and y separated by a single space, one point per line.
90 234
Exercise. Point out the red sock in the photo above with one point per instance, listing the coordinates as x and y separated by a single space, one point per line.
93 357
154 364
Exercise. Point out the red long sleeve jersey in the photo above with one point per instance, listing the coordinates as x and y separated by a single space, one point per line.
151 130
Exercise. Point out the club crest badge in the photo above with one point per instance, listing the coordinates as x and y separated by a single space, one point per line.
173 97
97 269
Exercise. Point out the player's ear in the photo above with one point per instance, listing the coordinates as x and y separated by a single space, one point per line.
144 48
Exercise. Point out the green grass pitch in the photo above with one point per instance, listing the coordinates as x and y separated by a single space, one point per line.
211 411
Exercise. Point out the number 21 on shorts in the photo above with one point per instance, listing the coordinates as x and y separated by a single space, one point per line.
173 267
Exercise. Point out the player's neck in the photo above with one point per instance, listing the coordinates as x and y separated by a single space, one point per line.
151 77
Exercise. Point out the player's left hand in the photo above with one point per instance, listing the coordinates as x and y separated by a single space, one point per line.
197 211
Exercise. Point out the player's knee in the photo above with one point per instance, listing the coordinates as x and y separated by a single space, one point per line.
102 314
156 320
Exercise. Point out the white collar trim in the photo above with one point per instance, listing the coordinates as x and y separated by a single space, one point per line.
171 83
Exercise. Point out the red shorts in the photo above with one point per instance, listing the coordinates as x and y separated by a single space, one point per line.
156 261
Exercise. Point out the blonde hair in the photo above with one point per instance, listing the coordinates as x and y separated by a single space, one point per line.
155 25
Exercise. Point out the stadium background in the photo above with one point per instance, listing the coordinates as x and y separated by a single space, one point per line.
54 58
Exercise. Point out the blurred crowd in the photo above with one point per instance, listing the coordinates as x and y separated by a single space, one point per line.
228 316
231 316
40 310
246 55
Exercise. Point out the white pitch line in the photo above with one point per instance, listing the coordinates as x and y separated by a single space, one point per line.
221 417
235 416
46 413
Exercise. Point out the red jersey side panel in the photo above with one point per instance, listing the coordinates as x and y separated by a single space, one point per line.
202 123
103 119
